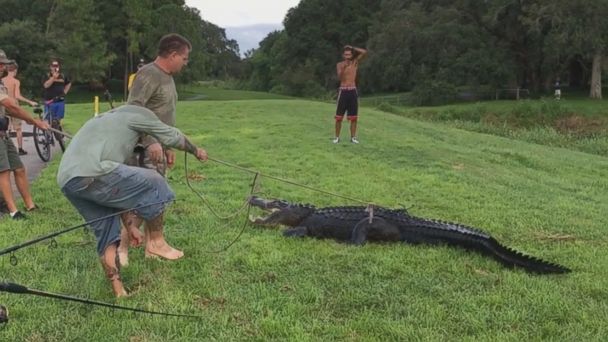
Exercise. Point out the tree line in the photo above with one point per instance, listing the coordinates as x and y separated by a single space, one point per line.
435 46
101 40
428 47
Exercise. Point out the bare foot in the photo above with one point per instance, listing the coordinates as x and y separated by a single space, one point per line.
163 250
119 289
123 256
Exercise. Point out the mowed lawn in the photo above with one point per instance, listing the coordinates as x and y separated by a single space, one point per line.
548 202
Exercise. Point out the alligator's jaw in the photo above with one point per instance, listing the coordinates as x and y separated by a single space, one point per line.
258 202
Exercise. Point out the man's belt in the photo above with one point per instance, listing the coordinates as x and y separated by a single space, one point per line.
55 99
4 123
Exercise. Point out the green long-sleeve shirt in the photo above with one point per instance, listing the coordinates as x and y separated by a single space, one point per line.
108 140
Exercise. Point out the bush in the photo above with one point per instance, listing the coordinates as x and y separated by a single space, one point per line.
387 107
434 92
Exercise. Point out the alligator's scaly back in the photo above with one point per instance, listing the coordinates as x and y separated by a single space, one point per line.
434 231
355 224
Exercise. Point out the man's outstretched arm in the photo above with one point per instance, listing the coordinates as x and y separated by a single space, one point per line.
13 109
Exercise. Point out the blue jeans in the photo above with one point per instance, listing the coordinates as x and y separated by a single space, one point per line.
124 188
56 109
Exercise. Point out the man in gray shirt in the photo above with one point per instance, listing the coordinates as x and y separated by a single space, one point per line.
93 177
154 88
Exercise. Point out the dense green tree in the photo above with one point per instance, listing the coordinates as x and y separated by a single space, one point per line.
100 40
456 43
78 37
24 41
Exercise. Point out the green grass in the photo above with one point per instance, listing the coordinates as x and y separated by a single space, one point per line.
577 123
211 93
548 202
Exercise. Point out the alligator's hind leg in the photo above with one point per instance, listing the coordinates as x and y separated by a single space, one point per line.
296 232
378 230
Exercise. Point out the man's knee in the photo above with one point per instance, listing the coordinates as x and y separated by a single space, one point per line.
20 171
339 118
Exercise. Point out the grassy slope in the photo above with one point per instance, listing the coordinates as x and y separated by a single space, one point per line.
545 201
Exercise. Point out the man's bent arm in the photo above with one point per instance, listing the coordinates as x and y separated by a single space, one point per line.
20 97
49 82
361 53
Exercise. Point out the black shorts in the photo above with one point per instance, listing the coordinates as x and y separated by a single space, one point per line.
348 102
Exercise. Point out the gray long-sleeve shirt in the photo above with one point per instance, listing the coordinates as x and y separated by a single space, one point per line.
108 140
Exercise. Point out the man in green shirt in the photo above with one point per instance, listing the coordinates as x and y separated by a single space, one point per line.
9 157
94 178
154 88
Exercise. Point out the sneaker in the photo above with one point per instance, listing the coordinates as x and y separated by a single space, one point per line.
18 216
336 140
22 152
354 140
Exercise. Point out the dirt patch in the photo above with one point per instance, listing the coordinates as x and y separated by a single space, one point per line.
581 125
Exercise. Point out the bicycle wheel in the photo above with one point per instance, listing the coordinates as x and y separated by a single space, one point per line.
42 143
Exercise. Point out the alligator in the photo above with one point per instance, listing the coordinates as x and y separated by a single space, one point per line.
358 224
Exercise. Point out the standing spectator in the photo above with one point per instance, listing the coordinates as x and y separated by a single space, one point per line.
154 88
132 76
348 98
558 90
13 86
9 157
56 86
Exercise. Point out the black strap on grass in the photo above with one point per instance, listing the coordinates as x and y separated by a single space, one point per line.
20 289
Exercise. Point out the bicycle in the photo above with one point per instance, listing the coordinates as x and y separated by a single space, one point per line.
44 140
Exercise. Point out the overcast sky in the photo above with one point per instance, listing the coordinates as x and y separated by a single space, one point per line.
230 13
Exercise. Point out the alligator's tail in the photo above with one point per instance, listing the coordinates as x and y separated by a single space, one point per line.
431 231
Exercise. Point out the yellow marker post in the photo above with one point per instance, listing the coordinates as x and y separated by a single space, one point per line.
96 105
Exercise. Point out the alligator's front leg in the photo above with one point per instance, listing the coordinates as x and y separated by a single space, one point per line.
296 232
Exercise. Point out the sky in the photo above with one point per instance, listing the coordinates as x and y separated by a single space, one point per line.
246 21
232 13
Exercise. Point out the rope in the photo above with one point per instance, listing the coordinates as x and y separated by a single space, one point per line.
246 204
290 182
204 199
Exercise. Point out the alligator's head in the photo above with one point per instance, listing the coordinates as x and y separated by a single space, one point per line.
282 212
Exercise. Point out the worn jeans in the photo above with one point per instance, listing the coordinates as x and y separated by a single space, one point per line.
125 187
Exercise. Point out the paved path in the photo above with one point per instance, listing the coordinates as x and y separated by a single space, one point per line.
32 162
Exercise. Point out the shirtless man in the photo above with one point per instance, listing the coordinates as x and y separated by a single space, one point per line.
348 99
13 86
